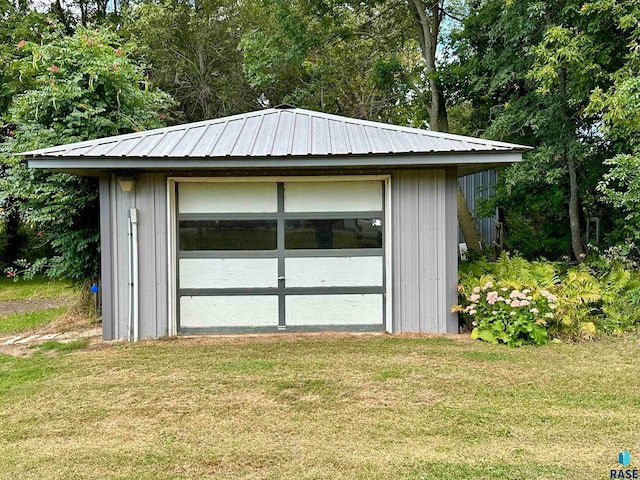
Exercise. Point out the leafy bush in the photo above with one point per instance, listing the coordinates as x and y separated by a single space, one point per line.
510 316
515 302
76 87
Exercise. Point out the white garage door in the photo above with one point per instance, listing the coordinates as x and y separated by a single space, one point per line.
268 256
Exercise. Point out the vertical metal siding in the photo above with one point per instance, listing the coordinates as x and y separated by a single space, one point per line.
152 214
106 271
149 197
474 187
123 202
424 260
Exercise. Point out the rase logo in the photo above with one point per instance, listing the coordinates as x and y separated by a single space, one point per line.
624 459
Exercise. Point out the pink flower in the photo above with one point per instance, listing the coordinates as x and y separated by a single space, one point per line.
54 69
115 66
492 297
474 298
524 303
515 303
472 312
544 293
514 294
552 298
21 43
487 285
118 51
11 274
476 289
535 311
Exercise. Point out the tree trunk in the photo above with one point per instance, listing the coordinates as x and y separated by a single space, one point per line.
572 167
574 211
467 225
427 17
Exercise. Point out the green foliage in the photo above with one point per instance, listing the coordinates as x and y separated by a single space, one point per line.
345 58
529 69
510 316
193 52
601 296
78 87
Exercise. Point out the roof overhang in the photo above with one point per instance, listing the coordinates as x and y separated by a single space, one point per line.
466 163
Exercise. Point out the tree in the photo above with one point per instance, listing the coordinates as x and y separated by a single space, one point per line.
81 86
192 50
530 69
619 107
339 58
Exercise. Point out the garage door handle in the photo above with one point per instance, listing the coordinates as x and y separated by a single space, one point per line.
281 278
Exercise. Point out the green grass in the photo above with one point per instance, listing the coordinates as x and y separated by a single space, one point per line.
22 322
56 346
37 287
352 407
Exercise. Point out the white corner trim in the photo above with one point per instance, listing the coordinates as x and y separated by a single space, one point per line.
388 255
172 294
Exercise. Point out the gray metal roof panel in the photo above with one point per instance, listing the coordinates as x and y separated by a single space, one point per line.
276 133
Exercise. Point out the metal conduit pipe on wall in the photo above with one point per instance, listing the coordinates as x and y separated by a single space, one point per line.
134 320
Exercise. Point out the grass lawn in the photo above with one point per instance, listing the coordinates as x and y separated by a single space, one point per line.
22 322
320 407
37 287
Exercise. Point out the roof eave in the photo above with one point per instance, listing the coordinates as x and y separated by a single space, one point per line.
453 159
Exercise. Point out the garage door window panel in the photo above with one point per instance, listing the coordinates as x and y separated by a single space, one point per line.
227 235
352 233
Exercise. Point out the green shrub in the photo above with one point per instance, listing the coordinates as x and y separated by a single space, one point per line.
507 315
601 297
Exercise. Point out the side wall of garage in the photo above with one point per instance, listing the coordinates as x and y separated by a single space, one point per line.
424 244
149 197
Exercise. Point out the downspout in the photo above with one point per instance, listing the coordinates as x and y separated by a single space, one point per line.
134 310
130 280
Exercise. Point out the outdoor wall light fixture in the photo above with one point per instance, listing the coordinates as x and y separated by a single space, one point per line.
127 183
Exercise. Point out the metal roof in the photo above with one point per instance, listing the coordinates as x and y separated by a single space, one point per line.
283 131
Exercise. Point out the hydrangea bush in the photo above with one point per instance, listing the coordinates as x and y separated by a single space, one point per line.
500 314
515 301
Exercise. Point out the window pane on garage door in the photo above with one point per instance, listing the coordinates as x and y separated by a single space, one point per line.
229 311
363 196
334 272
358 309
333 233
227 197
227 235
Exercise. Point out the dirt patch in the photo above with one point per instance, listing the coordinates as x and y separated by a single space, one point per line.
31 304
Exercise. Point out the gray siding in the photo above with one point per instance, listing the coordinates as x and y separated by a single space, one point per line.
106 264
474 188
424 244
150 198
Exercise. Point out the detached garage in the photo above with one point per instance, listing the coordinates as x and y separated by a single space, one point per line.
278 220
